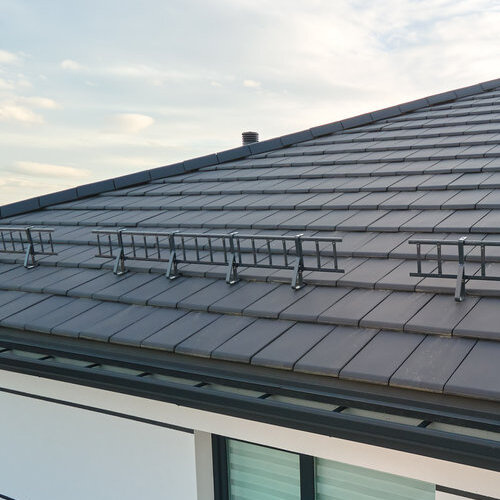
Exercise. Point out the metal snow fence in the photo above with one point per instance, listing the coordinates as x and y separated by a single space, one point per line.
30 241
232 250
461 275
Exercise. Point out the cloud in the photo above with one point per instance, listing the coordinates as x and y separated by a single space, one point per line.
5 85
71 65
7 57
39 102
253 84
130 123
13 112
48 170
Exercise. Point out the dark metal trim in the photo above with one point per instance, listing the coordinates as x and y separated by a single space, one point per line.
220 470
307 478
465 494
421 441
97 410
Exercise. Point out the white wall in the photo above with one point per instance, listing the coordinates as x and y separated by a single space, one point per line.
453 475
55 452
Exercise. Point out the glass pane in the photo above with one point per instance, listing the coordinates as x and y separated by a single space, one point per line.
337 481
260 473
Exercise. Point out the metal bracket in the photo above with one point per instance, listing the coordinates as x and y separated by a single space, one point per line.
30 251
119 266
172 271
460 286
298 268
232 266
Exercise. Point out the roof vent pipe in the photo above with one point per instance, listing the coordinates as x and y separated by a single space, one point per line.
249 138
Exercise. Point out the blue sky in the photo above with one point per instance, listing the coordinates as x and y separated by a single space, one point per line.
95 89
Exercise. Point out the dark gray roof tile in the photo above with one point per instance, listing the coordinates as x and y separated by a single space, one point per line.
31 313
432 363
488 224
201 300
332 353
213 335
426 221
272 304
176 332
311 305
242 297
393 312
46 321
156 319
104 329
478 375
175 292
481 321
440 315
352 307
469 200
21 302
249 341
381 357
72 327
291 346
368 273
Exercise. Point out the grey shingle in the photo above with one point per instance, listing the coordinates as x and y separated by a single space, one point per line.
488 224
432 363
311 305
39 308
49 319
245 344
368 273
351 308
208 295
272 304
175 292
479 374
104 329
73 326
393 220
176 332
395 310
332 353
381 357
155 320
461 220
481 321
213 335
426 221
239 299
292 345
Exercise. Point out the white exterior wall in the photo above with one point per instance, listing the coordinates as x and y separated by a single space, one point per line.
145 461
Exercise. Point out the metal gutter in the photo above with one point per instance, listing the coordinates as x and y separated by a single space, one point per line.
478 452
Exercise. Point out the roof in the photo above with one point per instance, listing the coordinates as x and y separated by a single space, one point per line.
427 169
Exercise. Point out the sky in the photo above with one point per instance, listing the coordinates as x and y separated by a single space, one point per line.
97 89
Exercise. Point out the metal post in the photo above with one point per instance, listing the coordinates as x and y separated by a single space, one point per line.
298 269
172 271
30 250
232 265
460 286
119 267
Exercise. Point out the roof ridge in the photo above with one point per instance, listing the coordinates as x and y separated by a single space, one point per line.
144 176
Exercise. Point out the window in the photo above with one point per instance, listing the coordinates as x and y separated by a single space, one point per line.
245 471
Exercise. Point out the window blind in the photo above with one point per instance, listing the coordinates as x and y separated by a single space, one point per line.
338 481
260 473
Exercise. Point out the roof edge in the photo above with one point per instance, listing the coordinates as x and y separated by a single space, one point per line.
129 180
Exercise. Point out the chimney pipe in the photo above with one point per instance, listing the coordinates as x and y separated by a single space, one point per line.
249 138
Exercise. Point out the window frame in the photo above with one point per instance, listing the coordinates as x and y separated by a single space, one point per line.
221 471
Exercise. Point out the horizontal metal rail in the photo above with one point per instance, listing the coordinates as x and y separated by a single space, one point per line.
461 275
29 240
232 250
